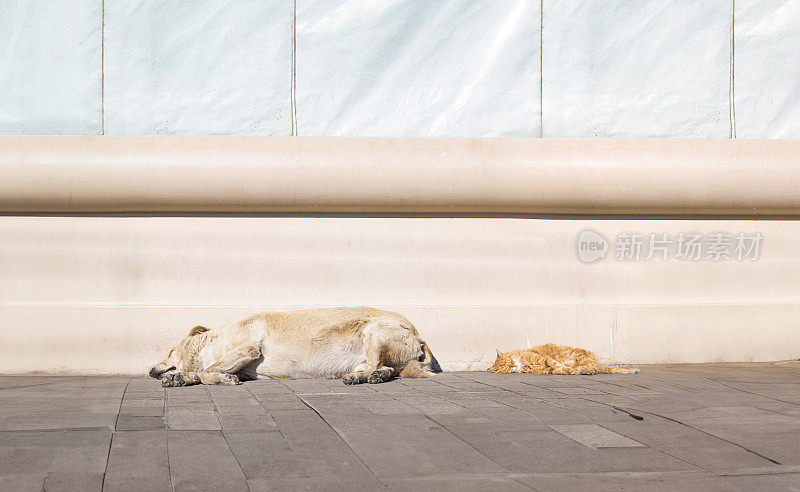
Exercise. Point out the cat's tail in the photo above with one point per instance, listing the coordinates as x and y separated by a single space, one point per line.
618 370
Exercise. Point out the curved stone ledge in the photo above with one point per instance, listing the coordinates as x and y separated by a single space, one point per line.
214 174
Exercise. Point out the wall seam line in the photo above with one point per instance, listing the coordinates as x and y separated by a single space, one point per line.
102 67
732 66
293 88
541 69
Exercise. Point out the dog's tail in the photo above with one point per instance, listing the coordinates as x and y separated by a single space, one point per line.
618 370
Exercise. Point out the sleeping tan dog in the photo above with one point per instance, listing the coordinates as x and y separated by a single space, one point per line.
359 344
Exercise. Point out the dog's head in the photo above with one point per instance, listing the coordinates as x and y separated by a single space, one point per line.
428 360
422 366
180 356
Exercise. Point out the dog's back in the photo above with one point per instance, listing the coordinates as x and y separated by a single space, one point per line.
328 342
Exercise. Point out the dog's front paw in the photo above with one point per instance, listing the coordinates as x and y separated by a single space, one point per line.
353 378
229 379
379 376
172 380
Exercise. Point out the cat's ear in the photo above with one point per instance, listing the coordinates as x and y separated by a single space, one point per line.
498 352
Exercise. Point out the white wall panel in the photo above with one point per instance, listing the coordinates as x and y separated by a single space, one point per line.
202 67
636 68
467 68
113 294
767 70
50 67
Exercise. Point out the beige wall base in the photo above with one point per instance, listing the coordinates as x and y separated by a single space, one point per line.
112 294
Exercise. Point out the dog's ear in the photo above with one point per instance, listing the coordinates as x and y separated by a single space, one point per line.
197 329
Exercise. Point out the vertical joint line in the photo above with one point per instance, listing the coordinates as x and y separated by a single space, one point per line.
102 67
732 66
294 69
541 69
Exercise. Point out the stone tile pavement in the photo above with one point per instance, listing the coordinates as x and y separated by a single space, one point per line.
695 427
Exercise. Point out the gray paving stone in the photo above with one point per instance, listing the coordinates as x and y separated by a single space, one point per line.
143 408
549 413
250 419
432 405
482 401
267 455
307 386
594 436
231 396
271 463
22 483
459 483
136 423
495 383
725 414
633 481
20 415
785 448
280 401
783 481
187 395
265 385
576 390
37 452
791 409
190 418
533 451
329 483
433 385
138 461
408 442
595 411
544 380
721 458
380 405
69 482
320 448
482 423
643 459
201 460
662 434
16 382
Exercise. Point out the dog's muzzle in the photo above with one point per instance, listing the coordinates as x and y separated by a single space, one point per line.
157 371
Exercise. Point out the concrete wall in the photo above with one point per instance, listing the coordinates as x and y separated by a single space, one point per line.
457 68
111 294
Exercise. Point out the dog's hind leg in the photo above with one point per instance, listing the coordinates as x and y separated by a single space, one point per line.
224 370
372 371
371 364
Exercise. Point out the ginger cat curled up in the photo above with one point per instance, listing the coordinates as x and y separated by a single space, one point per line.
553 359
